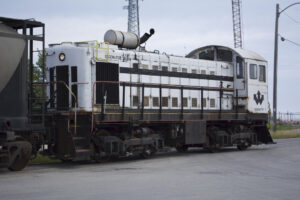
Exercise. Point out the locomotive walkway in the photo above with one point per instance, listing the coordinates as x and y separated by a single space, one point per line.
261 172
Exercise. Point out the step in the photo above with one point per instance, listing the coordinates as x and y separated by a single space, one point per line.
78 138
73 126
39 98
82 154
82 151
80 142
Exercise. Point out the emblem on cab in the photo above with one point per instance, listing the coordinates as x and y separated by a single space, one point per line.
258 98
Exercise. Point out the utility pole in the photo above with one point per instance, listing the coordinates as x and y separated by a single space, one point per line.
237 23
133 17
276 63
275 71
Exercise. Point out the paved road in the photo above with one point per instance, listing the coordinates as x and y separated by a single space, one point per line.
262 172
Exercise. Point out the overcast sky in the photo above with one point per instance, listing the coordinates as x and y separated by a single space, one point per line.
181 26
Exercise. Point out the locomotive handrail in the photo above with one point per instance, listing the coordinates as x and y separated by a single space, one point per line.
124 83
97 47
74 96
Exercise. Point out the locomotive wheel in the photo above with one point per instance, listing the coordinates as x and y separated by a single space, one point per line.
213 149
181 148
96 155
148 152
98 152
243 145
211 146
102 132
20 152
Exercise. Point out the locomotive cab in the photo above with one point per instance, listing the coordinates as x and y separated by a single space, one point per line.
250 75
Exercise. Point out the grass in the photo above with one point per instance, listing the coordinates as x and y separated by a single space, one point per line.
281 134
42 159
285 131
287 127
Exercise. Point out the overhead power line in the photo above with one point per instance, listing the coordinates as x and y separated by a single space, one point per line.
291 18
285 39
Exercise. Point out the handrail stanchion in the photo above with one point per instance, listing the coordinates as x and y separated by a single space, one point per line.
236 103
123 102
202 103
142 109
93 100
102 102
75 106
160 102
220 103
181 112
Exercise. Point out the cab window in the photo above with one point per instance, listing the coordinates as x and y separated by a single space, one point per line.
239 68
239 71
207 55
262 73
253 71
224 55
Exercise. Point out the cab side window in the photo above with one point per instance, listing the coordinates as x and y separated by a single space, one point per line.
253 71
239 68
239 71
262 73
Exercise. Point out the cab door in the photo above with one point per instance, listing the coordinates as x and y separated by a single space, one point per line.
257 87
240 76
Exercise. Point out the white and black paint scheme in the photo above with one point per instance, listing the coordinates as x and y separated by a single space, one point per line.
133 101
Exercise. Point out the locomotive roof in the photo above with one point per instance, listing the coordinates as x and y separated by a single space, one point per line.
242 52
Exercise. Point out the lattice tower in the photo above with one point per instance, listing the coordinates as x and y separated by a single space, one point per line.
237 23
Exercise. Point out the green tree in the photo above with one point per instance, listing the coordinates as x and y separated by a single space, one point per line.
37 76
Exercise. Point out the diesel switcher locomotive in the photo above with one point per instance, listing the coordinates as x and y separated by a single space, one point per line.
98 100
112 99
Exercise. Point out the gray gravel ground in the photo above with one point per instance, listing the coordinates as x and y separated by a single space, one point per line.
261 172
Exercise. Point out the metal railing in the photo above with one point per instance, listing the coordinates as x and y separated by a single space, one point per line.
221 90
73 95
97 47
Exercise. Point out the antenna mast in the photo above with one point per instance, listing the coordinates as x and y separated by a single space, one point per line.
237 24
133 16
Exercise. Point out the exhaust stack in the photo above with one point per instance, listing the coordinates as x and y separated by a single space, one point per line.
146 36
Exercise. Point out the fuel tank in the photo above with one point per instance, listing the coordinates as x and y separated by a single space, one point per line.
11 51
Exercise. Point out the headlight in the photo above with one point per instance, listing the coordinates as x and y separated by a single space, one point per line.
62 56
